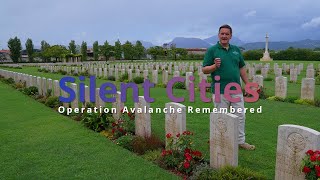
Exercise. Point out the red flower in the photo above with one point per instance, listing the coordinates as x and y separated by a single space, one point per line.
318 173
186 164
306 170
188 157
317 167
168 135
114 124
259 90
113 131
197 153
169 151
188 133
187 151
178 135
129 114
164 152
313 158
319 158
317 152
122 110
310 152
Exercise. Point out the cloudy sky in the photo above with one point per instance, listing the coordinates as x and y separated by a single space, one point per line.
156 21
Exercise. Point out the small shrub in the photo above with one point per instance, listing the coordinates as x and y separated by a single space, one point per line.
138 80
153 155
31 91
179 85
141 145
161 85
268 79
97 122
258 71
290 99
125 142
53 102
275 98
20 85
111 78
85 73
124 77
317 102
304 102
183 74
230 173
202 171
48 93
9 81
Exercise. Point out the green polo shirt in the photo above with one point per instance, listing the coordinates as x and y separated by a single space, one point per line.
231 62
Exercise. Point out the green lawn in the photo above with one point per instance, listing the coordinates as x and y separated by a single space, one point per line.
261 129
38 143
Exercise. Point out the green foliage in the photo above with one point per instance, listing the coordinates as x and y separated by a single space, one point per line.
317 102
106 50
117 49
128 50
85 73
202 171
124 125
275 98
152 156
44 47
30 49
72 47
156 51
138 80
20 85
8 81
49 92
31 91
15 49
53 102
253 54
111 78
56 51
84 51
124 77
290 99
97 122
125 142
142 145
268 79
179 85
139 50
96 50
304 101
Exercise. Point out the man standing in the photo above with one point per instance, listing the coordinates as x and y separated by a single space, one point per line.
225 64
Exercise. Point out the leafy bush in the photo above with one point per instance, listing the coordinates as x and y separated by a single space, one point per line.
124 125
20 85
85 73
62 72
275 98
138 80
290 99
153 155
258 71
31 91
161 85
111 78
9 81
96 121
125 142
124 77
183 74
304 101
311 165
48 93
53 102
230 173
202 171
268 79
179 85
141 145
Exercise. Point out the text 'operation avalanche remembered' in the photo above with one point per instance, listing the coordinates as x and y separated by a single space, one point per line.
111 89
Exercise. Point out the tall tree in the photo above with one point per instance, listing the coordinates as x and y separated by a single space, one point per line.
106 50
15 49
56 51
96 50
72 47
117 49
156 51
44 46
30 49
139 50
128 50
84 51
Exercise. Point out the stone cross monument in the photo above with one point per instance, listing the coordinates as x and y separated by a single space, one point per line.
266 56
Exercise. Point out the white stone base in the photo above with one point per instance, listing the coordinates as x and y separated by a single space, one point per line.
266 57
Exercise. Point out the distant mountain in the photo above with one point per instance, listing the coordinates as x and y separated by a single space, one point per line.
214 39
281 45
182 42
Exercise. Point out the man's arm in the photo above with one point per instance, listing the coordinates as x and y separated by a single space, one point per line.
209 69
243 74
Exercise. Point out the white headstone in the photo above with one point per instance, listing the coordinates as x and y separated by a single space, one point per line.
307 88
142 119
281 87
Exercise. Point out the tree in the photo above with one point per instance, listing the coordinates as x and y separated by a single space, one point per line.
117 49
84 51
72 47
156 51
56 51
106 50
96 50
44 46
139 50
128 50
30 49
15 49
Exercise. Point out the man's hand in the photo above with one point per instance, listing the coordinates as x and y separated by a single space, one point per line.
217 61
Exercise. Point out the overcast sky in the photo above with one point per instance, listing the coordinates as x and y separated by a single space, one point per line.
156 21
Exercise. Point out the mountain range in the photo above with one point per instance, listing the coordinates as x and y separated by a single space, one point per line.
182 42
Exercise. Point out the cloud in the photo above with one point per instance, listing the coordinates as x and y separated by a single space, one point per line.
315 22
250 13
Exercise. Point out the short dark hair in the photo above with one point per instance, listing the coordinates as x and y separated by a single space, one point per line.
225 26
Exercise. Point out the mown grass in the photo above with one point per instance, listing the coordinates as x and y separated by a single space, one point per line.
38 143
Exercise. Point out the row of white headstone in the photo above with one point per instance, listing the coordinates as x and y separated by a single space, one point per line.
293 141
307 86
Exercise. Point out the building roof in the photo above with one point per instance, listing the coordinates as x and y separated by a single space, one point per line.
4 51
